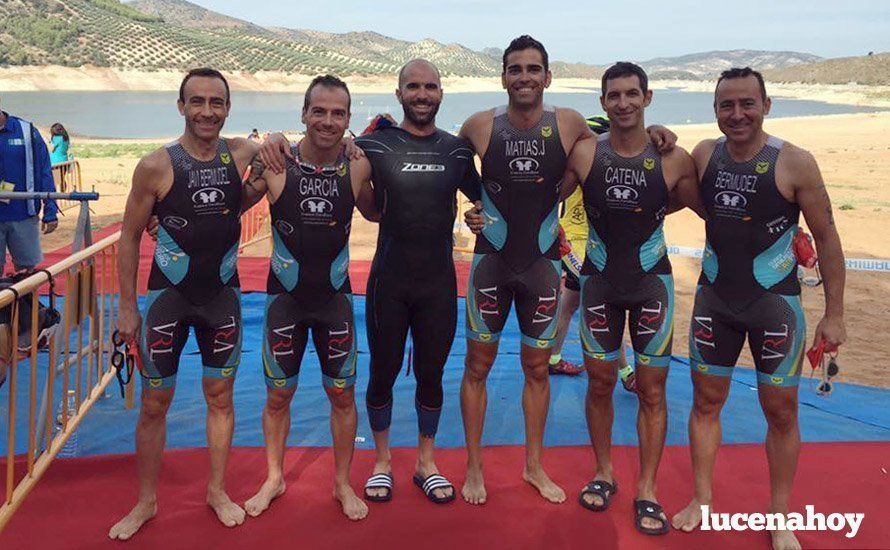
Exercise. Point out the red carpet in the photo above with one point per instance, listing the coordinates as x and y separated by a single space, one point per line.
79 499
252 271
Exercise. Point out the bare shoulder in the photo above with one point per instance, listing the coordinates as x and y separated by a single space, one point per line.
477 130
796 158
676 155
796 167
242 146
477 121
569 116
243 150
151 169
705 146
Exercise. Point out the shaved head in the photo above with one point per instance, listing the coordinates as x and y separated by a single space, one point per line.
417 63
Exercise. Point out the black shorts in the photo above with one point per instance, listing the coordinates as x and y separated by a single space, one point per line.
165 329
648 307
774 325
494 286
286 333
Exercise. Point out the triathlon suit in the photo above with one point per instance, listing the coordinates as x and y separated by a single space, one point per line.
626 271
748 286
308 284
574 223
194 280
412 280
517 255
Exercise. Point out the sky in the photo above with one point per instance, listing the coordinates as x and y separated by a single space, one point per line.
591 31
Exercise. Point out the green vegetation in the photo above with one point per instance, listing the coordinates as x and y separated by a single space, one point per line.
114 150
109 33
51 40
114 6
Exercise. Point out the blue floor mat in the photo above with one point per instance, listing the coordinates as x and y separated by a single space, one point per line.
852 413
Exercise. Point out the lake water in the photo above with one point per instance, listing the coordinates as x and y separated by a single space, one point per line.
154 114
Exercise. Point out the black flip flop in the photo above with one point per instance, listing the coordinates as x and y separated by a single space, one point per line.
600 488
652 510
431 483
379 481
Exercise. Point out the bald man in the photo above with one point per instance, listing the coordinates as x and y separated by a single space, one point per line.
417 170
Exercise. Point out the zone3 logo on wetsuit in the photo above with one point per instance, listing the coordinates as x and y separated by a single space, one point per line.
412 282
626 268
194 280
308 282
517 254
748 284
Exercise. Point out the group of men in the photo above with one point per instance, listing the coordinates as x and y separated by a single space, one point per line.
749 187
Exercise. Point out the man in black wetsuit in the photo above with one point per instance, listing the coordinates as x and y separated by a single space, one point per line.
311 205
193 185
417 170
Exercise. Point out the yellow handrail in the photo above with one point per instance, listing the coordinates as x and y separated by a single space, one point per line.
68 180
90 293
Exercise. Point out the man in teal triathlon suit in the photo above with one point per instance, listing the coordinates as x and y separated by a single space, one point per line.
193 186
524 147
754 187
311 204
628 187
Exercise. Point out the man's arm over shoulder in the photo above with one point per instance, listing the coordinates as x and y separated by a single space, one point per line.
812 196
360 174
578 166
477 130
251 169
470 184
682 176
572 128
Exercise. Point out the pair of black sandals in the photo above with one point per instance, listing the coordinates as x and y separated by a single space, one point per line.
642 508
428 485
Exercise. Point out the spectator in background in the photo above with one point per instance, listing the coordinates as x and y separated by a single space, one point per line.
254 136
24 166
59 143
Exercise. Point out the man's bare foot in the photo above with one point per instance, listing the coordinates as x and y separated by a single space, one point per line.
425 471
269 491
540 481
127 527
688 519
784 540
380 467
229 513
353 507
473 490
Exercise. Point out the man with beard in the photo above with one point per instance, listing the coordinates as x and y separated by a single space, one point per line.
193 185
417 170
